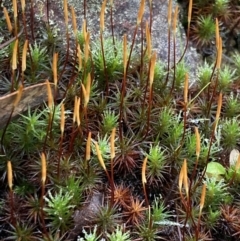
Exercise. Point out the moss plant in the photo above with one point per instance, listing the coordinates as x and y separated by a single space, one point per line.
181 70
119 235
233 174
107 219
159 212
163 122
33 206
104 146
204 74
31 131
91 236
122 196
225 78
59 209
109 121
22 232
113 61
156 166
148 233
221 10
135 213
216 194
74 186
54 236
159 74
204 32
236 63
232 106
38 63
230 136
212 218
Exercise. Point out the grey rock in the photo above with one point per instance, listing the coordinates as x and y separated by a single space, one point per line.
85 216
124 21
160 41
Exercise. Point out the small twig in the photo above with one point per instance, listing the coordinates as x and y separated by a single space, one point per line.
11 40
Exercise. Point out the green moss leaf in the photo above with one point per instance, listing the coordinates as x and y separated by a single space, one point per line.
215 169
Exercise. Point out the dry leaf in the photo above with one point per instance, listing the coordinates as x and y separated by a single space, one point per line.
31 97
233 157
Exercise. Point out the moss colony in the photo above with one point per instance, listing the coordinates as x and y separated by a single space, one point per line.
102 140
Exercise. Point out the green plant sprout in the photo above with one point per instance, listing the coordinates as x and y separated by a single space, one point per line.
118 235
58 209
204 32
109 121
91 236
156 165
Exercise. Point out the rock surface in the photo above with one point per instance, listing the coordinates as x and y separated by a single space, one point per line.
124 21
85 216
